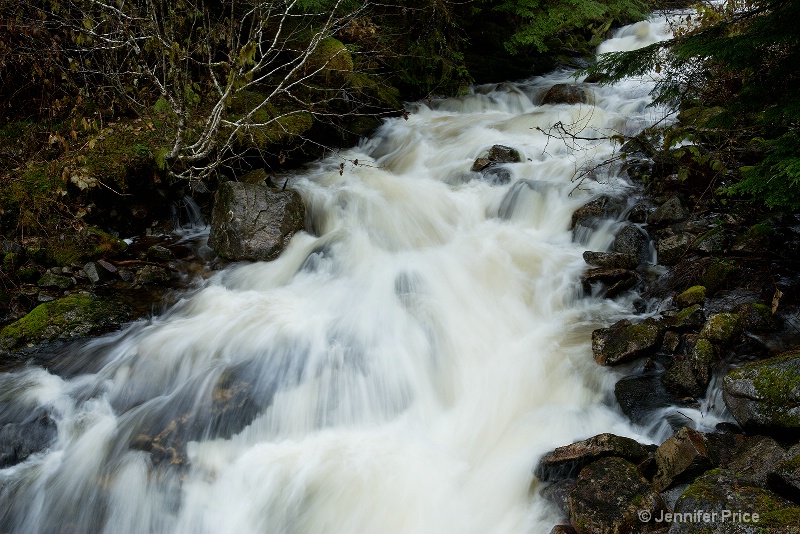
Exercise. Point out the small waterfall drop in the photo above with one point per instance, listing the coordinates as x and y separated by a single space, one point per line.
398 371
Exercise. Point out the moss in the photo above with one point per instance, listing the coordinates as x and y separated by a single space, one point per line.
10 262
90 243
721 328
693 295
703 352
776 385
717 274
332 59
28 274
69 317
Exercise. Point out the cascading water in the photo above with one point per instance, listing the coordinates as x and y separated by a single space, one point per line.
398 371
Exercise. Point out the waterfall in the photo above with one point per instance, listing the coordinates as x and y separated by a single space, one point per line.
398 369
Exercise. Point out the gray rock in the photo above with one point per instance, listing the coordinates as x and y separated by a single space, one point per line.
691 374
558 494
610 260
671 249
567 461
785 476
680 458
640 396
765 395
669 212
640 212
711 242
562 93
610 496
757 458
254 222
624 342
96 274
632 240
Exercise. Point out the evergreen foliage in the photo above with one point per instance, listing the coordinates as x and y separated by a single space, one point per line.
741 57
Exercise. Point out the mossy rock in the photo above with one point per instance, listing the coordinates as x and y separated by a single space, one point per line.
624 342
722 328
756 317
765 395
693 295
11 261
720 491
717 275
88 244
71 317
330 61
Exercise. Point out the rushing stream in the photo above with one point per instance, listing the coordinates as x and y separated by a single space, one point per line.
398 370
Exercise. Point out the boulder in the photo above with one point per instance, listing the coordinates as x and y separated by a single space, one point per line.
563 529
680 458
71 317
671 249
631 239
623 342
691 374
598 208
151 274
757 457
712 242
721 328
669 212
785 475
567 461
617 280
558 494
562 93
254 222
159 253
687 318
640 396
765 395
755 317
610 260
50 280
693 295
610 496
719 494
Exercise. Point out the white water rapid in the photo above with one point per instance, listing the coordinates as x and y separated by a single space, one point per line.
398 370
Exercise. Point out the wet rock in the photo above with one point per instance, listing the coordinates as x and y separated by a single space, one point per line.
671 249
567 461
672 341
693 295
632 240
563 529
610 496
765 395
640 396
680 458
691 374
640 212
504 154
669 212
610 260
617 280
50 280
497 175
562 93
254 222
558 494
623 342
721 328
720 493
151 274
256 176
71 317
480 164
598 208
757 458
19 440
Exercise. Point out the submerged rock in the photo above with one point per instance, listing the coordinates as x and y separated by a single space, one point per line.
19 440
254 222
765 395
